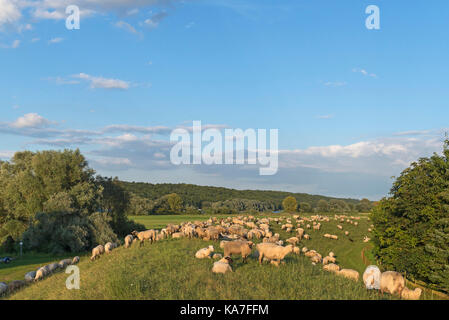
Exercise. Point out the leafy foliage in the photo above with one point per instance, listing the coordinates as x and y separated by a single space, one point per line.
290 204
412 226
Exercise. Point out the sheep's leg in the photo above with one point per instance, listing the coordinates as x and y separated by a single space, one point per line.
260 257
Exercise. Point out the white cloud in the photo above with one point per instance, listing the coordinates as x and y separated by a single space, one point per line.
55 40
335 84
30 120
325 116
103 83
126 26
364 72
155 19
9 12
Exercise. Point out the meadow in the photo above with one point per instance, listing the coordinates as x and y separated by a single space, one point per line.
168 270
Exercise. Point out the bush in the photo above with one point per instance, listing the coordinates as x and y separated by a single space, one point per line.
411 231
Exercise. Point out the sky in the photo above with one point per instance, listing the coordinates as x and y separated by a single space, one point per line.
353 106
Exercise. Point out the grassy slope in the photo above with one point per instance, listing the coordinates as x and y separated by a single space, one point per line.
168 270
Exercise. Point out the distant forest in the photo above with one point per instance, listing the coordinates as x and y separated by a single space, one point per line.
147 198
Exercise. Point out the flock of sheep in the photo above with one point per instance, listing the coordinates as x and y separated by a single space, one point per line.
37 275
236 235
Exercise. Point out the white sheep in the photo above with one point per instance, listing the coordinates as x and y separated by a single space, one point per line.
349 273
392 282
75 260
41 273
30 276
272 251
332 267
64 263
371 277
204 252
108 247
411 294
96 252
222 266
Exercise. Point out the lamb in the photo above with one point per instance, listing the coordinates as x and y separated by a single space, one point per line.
306 237
128 240
222 266
411 294
304 250
371 277
391 282
296 250
332 267
238 247
75 260
204 253
108 247
349 273
331 254
217 256
272 251
149 235
64 263
96 252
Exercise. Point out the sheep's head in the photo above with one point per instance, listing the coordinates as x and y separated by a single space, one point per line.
134 233
229 259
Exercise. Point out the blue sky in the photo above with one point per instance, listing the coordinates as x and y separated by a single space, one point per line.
353 106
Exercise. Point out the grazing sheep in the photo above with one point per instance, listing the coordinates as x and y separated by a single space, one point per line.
41 273
64 263
316 259
349 273
333 236
310 253
96 252
346 233
15 285
296 250
306 237
149 235
272 251
331 254
391 282
217 256
177 235
238 247
328 260
411 294
332 267
53 267
108 247
30 276
204 253
292 240
304 250
300 233
75 260
3 288
128 240
371 277
222 266
339 227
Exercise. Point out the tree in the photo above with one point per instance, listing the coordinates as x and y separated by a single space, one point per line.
175 203
290 204
305 207
364 206
323 206
411 227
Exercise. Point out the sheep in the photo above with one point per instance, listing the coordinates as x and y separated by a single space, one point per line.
292 240
30 276
128 240
371 277
331 254
272 251
238 247
3 288
149 235
212 233
222 265
15 285
316 259
346 233
304 250
296 250
411 294
75 260
300 233
64 263
334 237
328 260
204 253
332 267
306 237
53 267
177 235
96 252
108 247
222 243
391 282
310 253
41 273
349 273
339 227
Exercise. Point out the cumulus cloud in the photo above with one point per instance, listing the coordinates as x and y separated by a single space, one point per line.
9 12
155 19
31 120
364 72
335 83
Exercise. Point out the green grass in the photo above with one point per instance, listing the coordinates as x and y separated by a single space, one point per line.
169 270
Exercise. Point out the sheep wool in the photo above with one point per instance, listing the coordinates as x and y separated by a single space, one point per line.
222 266
411 294
371 277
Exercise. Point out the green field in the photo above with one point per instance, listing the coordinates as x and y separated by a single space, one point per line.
169 270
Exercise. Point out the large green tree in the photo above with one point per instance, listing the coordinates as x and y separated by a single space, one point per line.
412 225
290 204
